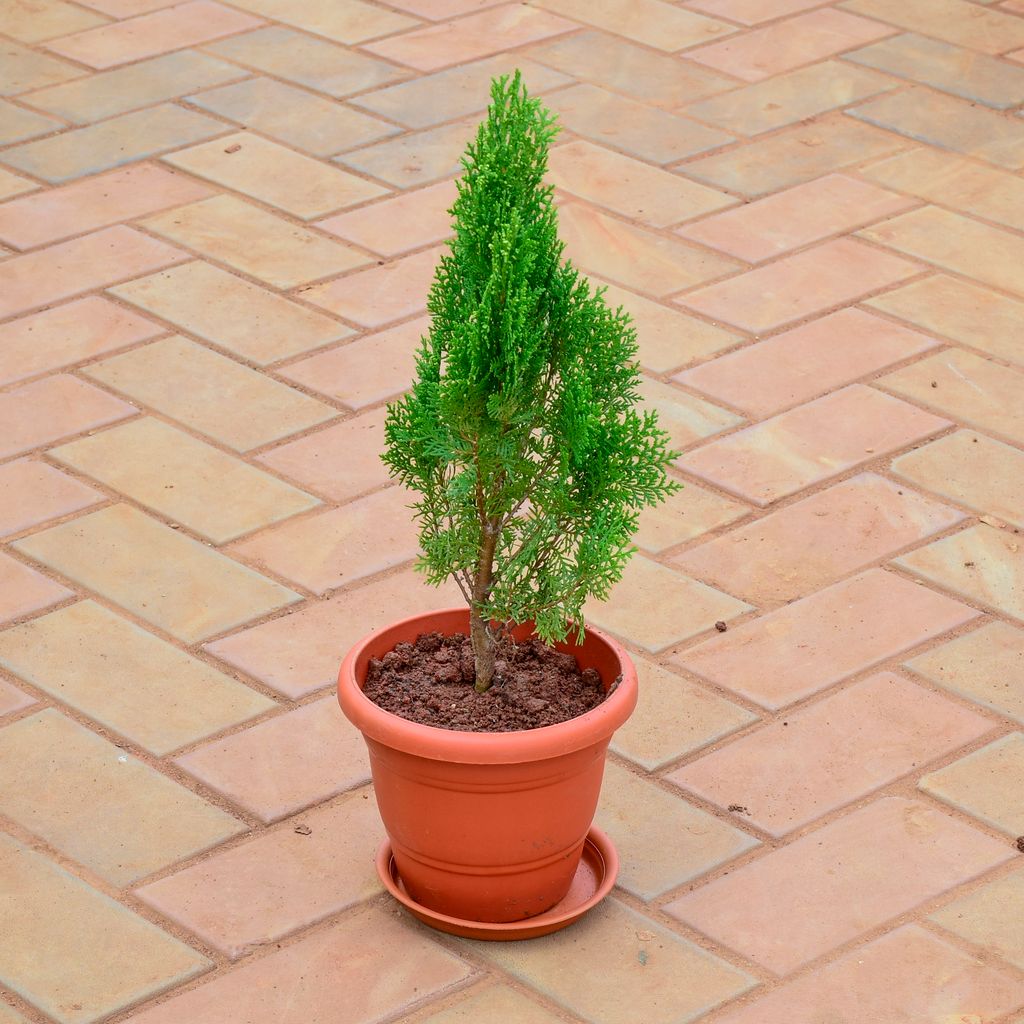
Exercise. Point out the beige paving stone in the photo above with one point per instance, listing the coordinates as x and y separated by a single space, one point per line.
12 699
651 22
121 140
301 652
221 308
128 8
630 187
119 90
794 155
752 12
260 244
663 841
211 393
633 127
959 310
125 678
621 966
981 563
685 606
275 175
492 1005
160 575
339 546
689 513
973 390
310 123
10 1016
49 909
285 764
986 784
185 480
112 813
633 256
31 492
22 69
280 881
23 590
989 917
801 648
985 666
13 185
440 10
18 124
31 21
674 716
683 417
347 961
352 22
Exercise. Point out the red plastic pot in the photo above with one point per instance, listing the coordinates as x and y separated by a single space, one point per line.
486 826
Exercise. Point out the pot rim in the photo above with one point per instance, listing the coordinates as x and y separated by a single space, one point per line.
435 743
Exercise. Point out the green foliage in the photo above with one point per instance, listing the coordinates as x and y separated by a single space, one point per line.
522 433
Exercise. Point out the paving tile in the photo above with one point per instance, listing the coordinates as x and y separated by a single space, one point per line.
806 546
685 606
112 813
971 389
631 126
125 678
953 69
22 69
794 218
789 98
18 124
753 12
413 159
955 21
351 22
285 764
621 966
278 882
46 410
683 417
685 515
651 22
355 956
381 294
794 155
906 975
674 717
127 8
827 888
23 590
94 203
441 10
310 123
47 908
187 24
67 269
985 666
339 546
335 70
43 19
119 90
32 492
808 282
802 648
959 310
12 699
168 579
495 1004
801 363
630 187
663 841
971 469
986 784
810 443
393 226
14 185
429 100
633 256
275 175
183 479
989 917
221 308
940 120
981 564
121 140
476 35
824 757
301 652
260 244
366 371
211 393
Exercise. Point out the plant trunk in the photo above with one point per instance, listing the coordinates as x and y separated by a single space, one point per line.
479 634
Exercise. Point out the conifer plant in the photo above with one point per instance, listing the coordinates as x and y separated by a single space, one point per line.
522 433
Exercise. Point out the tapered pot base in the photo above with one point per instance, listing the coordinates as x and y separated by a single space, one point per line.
594 878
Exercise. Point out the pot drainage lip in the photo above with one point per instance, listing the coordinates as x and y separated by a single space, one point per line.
594 879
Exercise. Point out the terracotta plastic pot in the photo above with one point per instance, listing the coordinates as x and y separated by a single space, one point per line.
486 826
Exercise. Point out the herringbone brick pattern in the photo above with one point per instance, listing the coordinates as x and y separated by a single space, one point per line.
218 224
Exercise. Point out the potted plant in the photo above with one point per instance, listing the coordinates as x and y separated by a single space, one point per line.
487 725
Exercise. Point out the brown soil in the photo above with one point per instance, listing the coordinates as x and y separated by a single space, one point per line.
431 682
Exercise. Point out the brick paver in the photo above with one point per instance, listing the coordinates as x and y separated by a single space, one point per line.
218 224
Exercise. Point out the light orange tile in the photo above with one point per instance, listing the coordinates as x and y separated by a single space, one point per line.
31 492
23 590
753 12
